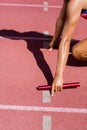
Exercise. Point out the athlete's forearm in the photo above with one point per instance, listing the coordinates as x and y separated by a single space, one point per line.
62 58
58 29
64 47
60 22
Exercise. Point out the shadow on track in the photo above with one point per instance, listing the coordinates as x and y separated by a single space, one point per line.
35 42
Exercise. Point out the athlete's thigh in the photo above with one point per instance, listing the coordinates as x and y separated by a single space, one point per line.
81 46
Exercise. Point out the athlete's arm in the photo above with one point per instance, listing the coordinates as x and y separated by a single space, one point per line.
59 24
73 14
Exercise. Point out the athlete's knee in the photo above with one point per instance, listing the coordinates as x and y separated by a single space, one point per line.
78 54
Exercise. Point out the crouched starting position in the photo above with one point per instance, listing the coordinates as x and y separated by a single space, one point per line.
65 26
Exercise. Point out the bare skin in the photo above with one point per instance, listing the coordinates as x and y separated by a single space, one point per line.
65 27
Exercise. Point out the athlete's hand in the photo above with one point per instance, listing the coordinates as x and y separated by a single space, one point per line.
51 44
57 84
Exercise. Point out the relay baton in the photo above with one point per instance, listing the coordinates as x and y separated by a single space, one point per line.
65 86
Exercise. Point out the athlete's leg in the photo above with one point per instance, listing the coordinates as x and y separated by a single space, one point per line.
79 51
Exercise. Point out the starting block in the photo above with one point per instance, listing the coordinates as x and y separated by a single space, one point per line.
65 86
84 14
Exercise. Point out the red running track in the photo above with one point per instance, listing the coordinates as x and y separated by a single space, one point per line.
26 63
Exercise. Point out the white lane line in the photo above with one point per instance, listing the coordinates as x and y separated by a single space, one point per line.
47 123
43 109
46 97
30 5
46 33
45 5
46 94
